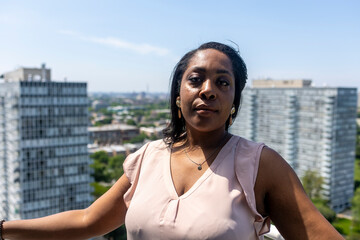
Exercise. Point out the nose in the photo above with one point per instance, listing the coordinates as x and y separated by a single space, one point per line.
207 91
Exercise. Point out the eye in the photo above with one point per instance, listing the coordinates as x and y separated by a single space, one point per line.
194 79
223 82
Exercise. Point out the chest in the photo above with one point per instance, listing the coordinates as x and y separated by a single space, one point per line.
213 207
186 170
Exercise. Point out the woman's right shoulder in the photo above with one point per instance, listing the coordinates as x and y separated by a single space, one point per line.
135 158
156 145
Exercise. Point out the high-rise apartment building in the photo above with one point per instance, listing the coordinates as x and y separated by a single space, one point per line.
312 128
290 83
44 162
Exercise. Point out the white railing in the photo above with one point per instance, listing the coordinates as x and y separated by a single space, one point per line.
273 234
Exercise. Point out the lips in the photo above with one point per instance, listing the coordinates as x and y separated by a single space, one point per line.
205 109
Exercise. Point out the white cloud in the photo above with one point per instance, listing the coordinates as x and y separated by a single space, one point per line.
142 48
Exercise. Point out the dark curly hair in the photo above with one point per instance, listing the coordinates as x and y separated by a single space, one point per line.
176 131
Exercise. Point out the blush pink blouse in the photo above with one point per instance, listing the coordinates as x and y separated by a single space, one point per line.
220 205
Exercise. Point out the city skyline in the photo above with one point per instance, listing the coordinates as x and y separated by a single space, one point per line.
127 46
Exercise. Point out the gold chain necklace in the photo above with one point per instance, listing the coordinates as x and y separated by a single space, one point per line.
200 164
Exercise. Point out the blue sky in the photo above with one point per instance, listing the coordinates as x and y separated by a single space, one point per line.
123 46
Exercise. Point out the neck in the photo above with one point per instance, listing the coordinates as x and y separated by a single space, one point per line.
206 139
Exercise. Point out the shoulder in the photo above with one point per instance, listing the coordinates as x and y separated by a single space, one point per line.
280 195
149 147
247 151
274 179
146 150
246 144
274 171
134 161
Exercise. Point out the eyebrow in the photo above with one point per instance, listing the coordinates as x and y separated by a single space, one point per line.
200 69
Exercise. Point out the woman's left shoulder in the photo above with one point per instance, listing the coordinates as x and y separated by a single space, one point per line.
272 169
280 195
246 143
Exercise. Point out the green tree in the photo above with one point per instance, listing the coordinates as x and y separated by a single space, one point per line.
355 209
312 182
324 209
140 112
131 122
115 166
163 115
153 137
105 121
106 112
358 142
139 138
101 160
99 189
107 169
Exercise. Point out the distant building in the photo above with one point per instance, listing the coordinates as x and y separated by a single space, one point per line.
289 83
312 128
153 131
112 134
44 163
28 75
98 104
114 150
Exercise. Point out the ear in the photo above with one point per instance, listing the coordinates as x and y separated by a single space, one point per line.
178 102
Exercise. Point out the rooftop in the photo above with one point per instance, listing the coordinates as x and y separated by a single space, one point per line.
288 83
112 127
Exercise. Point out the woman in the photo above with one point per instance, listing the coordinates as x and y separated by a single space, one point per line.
200 182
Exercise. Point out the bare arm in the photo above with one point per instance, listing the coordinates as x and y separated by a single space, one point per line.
105 214
280 195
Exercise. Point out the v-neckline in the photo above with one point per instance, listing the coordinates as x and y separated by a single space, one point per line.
211 169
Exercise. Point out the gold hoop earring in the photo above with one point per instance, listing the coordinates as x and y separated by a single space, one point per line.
178 104
232 111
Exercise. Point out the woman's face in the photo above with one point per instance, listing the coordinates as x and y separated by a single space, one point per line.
207 91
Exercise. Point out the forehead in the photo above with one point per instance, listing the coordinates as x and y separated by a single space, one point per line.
210 59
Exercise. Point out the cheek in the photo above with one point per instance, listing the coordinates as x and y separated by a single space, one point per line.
187 94
230 97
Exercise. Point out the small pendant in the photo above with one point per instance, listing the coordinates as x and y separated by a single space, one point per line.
199 167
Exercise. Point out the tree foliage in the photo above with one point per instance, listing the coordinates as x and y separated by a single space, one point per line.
358 141
100 167
324 209
104 121
115 166
355 209
312 183
107 169
131 122
106 112
139 138
99 189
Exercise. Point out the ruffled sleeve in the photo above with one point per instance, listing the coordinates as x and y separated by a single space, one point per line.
246 168
132 166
